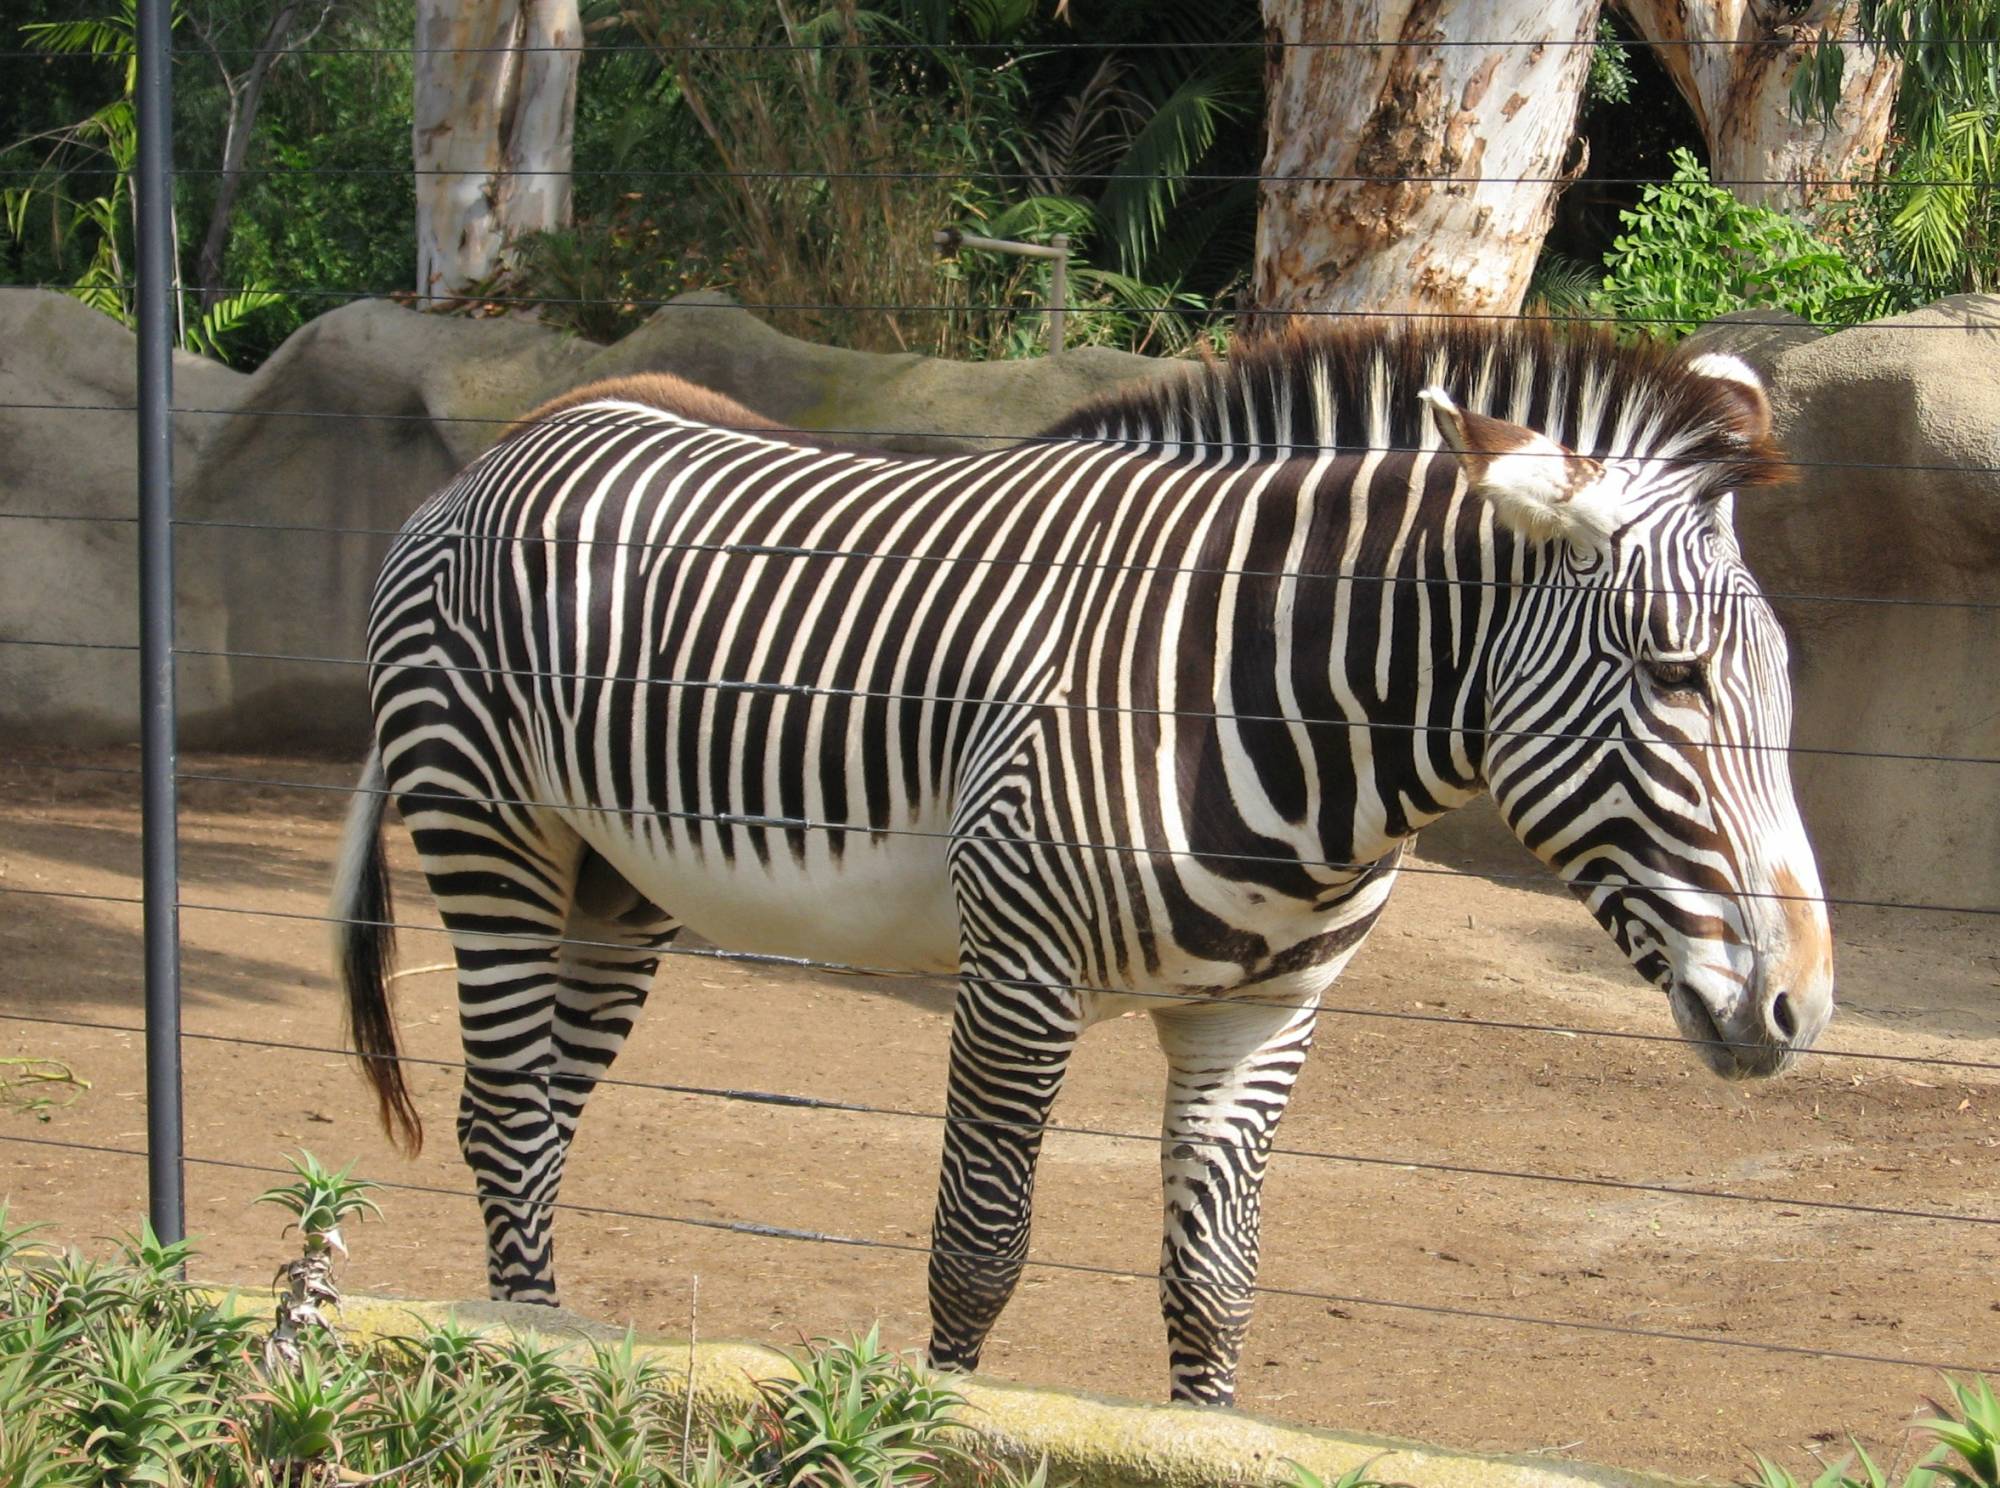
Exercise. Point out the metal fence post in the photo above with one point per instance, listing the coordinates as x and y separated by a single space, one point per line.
166 1183
1059 294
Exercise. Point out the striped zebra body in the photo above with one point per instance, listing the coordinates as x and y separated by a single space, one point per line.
1135 716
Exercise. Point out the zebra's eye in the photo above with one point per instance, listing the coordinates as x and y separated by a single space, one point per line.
1686 674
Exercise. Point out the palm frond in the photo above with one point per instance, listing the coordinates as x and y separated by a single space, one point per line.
226 315
1209 237
1036 219
1150 177
1087 135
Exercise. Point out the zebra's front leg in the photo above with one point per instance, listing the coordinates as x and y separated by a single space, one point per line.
1230 1072
1010 1044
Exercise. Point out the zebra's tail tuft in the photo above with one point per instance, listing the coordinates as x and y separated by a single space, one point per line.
364 948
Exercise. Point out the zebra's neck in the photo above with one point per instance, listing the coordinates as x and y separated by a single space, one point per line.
1324 622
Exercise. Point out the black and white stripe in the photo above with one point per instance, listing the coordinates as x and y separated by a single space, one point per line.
1135 715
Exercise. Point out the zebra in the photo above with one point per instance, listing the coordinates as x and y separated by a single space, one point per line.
1140 714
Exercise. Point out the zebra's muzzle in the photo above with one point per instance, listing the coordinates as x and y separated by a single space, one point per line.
1751 1050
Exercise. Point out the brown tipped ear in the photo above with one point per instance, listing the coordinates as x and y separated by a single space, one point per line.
1742 390
1532 481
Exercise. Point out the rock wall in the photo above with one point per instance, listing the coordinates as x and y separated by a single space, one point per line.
368 409
358 417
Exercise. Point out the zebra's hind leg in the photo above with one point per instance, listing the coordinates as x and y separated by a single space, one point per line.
611 950
1010 1044
1230 1072
545 1004
504 881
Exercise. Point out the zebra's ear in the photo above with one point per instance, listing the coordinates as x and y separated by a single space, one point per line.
1532 481
1749 406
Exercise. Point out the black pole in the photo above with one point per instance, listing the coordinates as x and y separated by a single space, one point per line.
165 1178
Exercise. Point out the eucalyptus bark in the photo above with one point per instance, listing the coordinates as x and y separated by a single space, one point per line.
1734 62
1411 168
492 133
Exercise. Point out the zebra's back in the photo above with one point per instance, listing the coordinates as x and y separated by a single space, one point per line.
704 647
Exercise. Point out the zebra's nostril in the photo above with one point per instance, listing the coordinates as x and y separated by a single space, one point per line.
1782 1017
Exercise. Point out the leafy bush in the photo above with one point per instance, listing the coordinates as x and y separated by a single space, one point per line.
811 161
118 1373
1691 251
602 277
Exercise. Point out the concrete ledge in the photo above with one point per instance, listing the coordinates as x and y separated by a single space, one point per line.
1093 1441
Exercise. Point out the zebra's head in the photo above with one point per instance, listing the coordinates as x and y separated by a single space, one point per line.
1639 709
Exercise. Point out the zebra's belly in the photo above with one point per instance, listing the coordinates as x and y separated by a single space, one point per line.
884 903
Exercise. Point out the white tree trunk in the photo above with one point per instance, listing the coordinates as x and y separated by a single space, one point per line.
1390 115
494 110
1734 60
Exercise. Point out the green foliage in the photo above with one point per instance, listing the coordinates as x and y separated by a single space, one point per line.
310 1411
605 275
1610 79
137 1411
1963 1456
859 1414
329 204
1973 1435
1561 286
1691 251
117 1373
1355 1477
78 194
80 191
1933 221
812 177
37 1087
1945 230
320 1201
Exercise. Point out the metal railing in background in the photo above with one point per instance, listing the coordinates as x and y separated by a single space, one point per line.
949 240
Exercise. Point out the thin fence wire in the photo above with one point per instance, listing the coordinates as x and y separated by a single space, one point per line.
1261 43
998 704
1080 989
1038 307
961 454
977 561
1258 1289
773 822
727 1095
1805 184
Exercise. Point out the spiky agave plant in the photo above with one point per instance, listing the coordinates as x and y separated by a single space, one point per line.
309 1412
1966 1453
1973 1435
319 1202
140 1408
861 1413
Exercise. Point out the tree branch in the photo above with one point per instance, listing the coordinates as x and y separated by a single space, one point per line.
243 104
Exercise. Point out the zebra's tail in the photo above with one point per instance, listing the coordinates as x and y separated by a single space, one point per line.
364 948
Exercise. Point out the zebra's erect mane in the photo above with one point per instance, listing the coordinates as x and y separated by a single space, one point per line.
1355 387
661 390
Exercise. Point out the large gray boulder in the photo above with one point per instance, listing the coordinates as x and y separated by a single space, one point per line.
291 480
69 454
1883 558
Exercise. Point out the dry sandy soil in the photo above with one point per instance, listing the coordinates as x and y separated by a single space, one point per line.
1353 1216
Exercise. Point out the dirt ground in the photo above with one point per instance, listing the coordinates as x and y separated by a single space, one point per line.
1472 941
